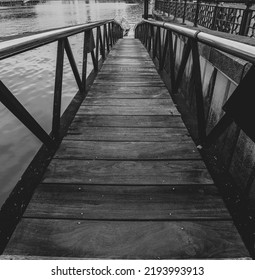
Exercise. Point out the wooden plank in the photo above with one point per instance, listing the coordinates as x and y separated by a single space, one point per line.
127 62
127 150
127 172
148 103
145 77
127 121
122 111
104 74
141 83
132 55
122 68
134 61
127 240
128 79
102 91
109 202
128 134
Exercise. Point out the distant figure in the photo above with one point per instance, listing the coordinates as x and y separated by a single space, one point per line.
125 25
126 32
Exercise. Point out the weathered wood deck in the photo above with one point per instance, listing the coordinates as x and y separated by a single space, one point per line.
127 180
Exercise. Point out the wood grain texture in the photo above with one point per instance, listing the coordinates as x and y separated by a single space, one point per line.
103 91
112 68
127 240
127 172
127 93
139 134
126 150
148 103
129 110
108 202
105 79
127 121
134 83
127 181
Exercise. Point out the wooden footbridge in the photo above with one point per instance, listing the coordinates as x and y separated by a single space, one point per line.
126 181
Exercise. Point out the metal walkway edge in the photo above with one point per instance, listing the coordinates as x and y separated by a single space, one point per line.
127 181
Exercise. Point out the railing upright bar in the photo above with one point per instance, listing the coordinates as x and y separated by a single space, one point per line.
85 62
149 38
175 9
198 91
163 59
110 34
214 19
246 20
94 60
184 11
97 43
106 38
196 13
185 56
102 46
58 89
172 59
155 43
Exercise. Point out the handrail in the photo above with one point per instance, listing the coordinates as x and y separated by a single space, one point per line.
14 46
179 62
240 50
216 93
106 33
150 34
112 31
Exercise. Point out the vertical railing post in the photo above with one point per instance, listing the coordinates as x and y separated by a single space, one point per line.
175 10
150 39
58 90
159 48
214 19
196 14
85 59
184 11
146 9
163 59
155 42
106 38
246 20
110 34
169 7
196 69
97 43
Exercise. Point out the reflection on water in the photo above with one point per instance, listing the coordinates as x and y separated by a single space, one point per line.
30 76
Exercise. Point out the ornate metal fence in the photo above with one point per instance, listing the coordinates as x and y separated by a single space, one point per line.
235 20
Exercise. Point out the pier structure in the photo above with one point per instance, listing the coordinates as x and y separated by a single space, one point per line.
120 176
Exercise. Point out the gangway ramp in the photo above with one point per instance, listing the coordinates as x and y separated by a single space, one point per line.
127 181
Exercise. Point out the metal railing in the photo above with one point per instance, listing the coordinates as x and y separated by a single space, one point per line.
160 39
107 33
215 16
220 107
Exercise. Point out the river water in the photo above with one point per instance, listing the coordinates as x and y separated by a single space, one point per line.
30 76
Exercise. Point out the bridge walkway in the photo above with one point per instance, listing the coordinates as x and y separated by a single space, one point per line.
127 181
